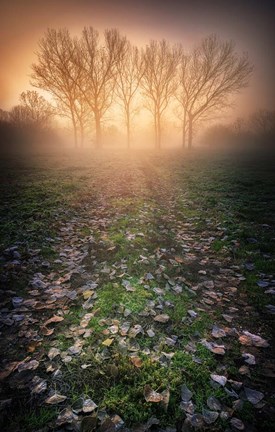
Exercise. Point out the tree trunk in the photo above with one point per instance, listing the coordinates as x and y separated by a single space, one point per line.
159 132
75 131
184 130
98 131
81 135
128 129
190 131
156 130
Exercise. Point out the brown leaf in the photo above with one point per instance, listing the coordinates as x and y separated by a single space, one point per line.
86 319
8 370
53 319
162 318
46 331
137 362
151 395
179 259
32 346
250 339
54 352
28 365
55 399
65 416
218 350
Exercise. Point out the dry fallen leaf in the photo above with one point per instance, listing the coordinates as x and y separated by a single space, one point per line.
162 318
135 330
237 423
32 346
87 294
55 399
179 259
8 370
220 379
30 365
209 416
253 396
65 416
54 319
53 353
88 406
46 331
186 394
38 385
151 395
213 347
250 339
86 319
218 332
137 362
108 342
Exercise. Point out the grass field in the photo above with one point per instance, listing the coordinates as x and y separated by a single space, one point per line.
155 264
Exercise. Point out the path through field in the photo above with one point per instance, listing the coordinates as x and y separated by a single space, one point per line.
137 292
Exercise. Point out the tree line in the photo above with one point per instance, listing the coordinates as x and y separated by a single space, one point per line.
86 75
256 131
29 122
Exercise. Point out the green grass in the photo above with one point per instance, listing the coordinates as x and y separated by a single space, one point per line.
30 198
111 295
48 253
213 197
31 420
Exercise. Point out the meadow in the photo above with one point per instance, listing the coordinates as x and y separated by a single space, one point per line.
137 291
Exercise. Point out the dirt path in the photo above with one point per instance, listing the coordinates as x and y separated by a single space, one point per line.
138 319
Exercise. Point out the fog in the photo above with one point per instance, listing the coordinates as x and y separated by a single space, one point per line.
241 115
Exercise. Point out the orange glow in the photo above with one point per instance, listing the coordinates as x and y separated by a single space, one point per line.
23 23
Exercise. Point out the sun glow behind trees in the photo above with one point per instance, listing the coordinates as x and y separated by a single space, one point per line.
91 76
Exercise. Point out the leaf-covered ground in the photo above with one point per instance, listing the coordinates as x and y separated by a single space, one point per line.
137 291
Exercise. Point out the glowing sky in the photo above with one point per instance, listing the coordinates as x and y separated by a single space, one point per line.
249 22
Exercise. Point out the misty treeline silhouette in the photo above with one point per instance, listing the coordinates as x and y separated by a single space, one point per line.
29 121
257 131
87 74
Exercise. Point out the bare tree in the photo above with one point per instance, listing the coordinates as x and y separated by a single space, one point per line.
82 116
263 122
130 70
34 112
56 72
4 115
158 81
19 116
208 77
38 110
97 66
239 126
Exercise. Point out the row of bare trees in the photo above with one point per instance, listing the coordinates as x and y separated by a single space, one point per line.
86 75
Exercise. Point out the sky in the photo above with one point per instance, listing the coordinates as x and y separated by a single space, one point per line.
250 23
